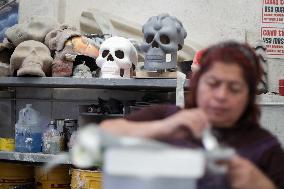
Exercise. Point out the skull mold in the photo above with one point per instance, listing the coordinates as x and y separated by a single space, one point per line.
31 58
116 54
163 36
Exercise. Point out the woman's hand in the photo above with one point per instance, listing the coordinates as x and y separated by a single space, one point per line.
184 123
245 175
178 126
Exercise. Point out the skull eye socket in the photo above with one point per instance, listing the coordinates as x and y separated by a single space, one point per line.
119 54
149 38
105 53
164 39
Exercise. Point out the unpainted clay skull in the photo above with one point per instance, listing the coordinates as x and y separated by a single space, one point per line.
163 36
116 54
31 58
57 37
34 29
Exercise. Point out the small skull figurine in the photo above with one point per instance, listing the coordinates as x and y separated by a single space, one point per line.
116 54
31 58
163 36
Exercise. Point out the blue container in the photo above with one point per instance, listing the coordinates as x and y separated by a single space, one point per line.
28 134
27 141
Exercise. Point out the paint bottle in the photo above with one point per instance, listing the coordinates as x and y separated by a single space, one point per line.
52 140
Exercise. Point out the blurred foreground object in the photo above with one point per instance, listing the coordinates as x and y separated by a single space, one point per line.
153 164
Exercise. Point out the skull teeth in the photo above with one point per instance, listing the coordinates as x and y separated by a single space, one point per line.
155 58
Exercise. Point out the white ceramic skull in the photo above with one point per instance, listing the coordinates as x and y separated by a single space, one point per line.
163 37
31 58
116 54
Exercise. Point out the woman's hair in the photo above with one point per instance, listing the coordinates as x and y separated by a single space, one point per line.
232 53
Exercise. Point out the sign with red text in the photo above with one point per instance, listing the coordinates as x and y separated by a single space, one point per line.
274 40
273 11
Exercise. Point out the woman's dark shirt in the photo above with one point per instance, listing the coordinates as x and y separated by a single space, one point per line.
256 144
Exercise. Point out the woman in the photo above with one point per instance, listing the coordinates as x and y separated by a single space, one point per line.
223 96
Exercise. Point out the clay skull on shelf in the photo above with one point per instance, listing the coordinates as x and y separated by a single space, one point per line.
71 49
56 40
116 55
163 36
35 28
31 58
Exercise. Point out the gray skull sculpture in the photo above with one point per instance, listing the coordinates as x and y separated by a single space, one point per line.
163 36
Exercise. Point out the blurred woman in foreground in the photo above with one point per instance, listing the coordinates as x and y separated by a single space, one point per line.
223 96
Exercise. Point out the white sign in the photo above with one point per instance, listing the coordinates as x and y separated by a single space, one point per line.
273 11
274 40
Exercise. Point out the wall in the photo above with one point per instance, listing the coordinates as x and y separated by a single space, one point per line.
206 21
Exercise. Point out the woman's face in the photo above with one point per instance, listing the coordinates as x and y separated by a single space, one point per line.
223 94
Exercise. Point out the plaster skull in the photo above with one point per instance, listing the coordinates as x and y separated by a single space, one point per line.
57 37
31 58
116 54
35 28
82 71
163 36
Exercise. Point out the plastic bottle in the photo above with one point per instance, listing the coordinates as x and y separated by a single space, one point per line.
52 140
28 134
